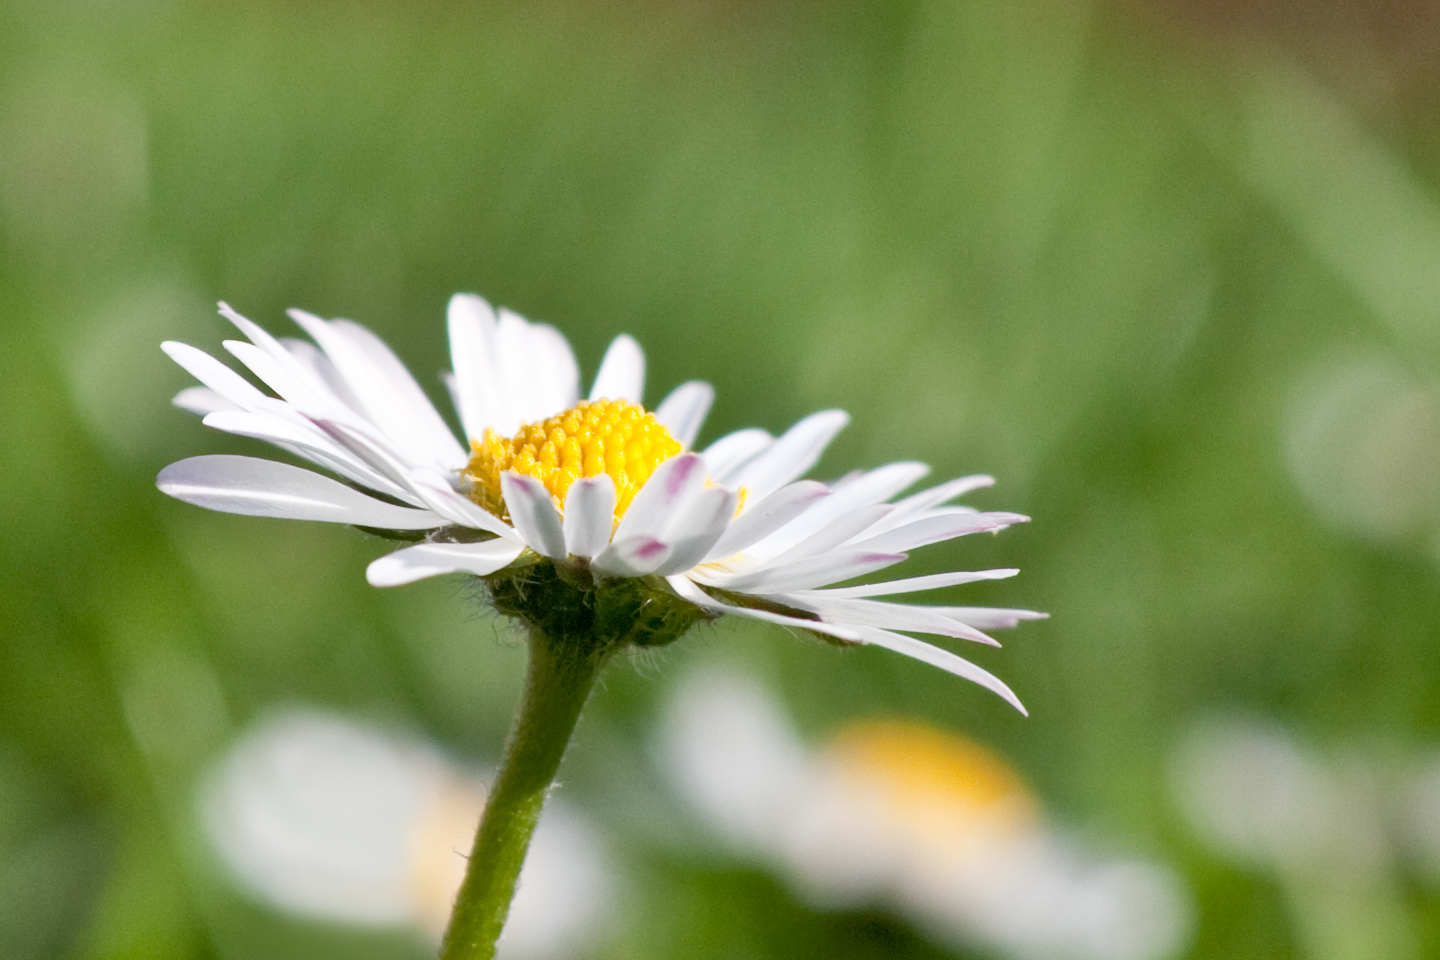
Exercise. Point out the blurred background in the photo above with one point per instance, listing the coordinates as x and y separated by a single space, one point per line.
1169 270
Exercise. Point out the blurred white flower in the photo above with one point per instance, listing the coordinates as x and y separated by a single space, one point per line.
328 819
600 488
1363 445
908 815
1418 818
1320 827
1255 794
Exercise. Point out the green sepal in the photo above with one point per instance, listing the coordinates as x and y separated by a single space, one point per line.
565 601
454 533
770 606
406 536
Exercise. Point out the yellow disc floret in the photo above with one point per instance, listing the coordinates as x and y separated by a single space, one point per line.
595 437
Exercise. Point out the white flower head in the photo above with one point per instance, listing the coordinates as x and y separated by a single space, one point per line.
325 817
914 817
556 494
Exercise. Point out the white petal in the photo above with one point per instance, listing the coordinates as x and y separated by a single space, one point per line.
533 513
944 492
897 519
361 441
993 618
391 398
854 492
214 374
807 574
318 393
536 369
413 412
448 502
765 517
633 557
622 372
261 339
880 484
264 488
431 559
296 386
324 371
683 411
916 584
202 400
934 529
668 490
304 439
589 515
837 532
515 371
689 591
730 453
792 454
558 375
889 616
695 531
472 350
944 659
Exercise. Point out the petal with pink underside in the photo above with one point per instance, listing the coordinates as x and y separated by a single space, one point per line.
856 492
767 516
832 535
694 532
889 616
668 490
929 530
633 557
792 454
393 401
304 439
533 513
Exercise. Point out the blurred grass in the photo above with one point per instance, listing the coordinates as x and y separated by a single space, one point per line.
1082 247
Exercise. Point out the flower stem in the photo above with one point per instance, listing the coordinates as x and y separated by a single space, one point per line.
561 672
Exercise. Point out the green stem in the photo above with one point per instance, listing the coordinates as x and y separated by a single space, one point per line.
558 680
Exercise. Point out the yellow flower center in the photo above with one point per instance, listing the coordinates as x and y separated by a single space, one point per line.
595 437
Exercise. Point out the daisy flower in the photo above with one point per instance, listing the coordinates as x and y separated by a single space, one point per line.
911 817
596 512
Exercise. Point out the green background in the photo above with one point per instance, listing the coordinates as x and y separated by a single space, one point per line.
1107 252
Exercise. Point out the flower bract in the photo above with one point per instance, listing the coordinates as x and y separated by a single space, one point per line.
591 514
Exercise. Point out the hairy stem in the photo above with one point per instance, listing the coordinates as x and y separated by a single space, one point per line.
559 678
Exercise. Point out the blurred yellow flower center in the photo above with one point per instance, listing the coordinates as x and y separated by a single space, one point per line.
595 437
933 780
